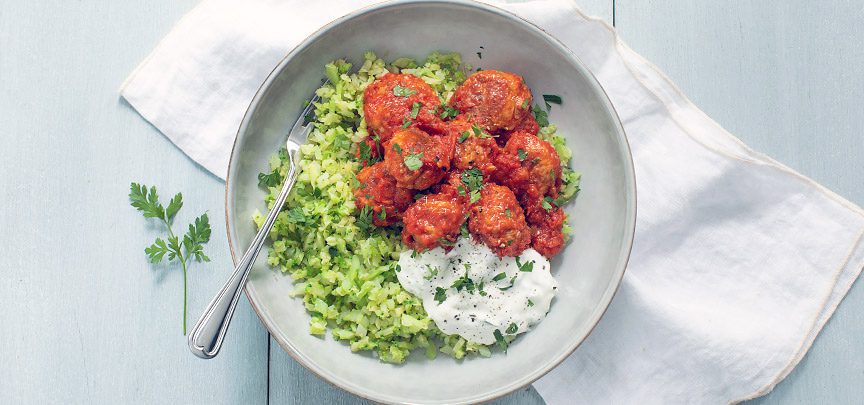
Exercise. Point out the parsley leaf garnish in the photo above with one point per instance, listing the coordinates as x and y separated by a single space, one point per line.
526 103
440 295
473 179
400 91
499 276
269 179
415 109
530 303
364 219
526 267
405 123
463 231
185 249
397 148
499 339
463 137
449 112
547 203
541 116
551 98
465 283
432 272
512 329
508 213
522 154
413 162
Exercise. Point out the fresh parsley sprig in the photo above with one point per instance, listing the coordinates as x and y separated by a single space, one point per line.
183 249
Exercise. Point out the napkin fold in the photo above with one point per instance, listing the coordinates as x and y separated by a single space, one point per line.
737 263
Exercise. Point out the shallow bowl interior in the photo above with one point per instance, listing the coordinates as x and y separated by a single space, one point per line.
588 270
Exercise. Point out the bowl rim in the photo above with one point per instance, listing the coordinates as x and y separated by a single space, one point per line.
624 149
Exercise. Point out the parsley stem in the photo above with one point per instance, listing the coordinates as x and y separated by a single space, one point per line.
183 264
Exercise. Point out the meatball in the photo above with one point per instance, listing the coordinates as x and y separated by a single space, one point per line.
378 191
546 220
538 169
418 160
472 150
494 100
498 221
395 101
434 220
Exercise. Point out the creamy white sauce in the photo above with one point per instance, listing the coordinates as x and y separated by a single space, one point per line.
519 297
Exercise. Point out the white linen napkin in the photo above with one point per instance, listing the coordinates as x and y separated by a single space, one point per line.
737 263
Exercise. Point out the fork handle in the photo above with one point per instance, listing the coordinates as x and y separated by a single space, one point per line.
207 335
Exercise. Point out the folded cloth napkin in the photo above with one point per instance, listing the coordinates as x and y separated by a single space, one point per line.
737 263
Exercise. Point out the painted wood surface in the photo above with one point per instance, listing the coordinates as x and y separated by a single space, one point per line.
786 78
88 320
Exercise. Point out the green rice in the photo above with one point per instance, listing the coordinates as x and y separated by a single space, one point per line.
345 270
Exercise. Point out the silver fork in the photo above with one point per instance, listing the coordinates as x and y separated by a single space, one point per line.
207 335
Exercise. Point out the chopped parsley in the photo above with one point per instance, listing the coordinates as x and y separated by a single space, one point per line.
541 116
463 137
398 268
508 213
440 295
475 196
499 339
526 103
405 123
547 203
364 218
400 91
530 303
499 276
526 267
432 272
269 180
413 162
522 154
512 329
551 98
465 283
449 112
382 215
473 179
463 231
415 109
397 148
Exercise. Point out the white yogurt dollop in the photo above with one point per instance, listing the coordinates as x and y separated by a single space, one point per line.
471 292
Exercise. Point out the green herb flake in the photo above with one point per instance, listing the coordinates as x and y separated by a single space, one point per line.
547 203
499 276
499 339
551 98
530 303
512 329
522 154
473 179
431 272
364 218
463 231
449 112
413 162
415 109
405 123
400 91
526 103
542 117
397 148
526 267
463 137
508 213
440 295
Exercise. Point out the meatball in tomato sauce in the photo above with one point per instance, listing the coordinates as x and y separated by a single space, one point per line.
396 101
433 221
498 221
418 160
472 150
494 100
379 192
530 165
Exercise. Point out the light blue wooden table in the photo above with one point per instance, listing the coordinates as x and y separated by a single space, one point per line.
87 320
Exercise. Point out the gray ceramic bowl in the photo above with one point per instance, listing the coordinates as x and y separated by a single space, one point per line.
588 270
